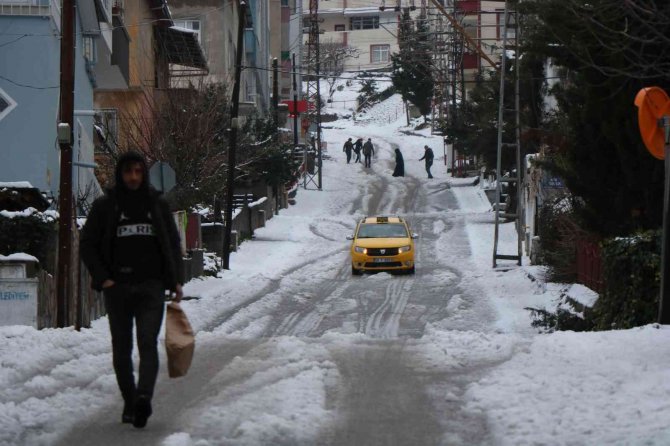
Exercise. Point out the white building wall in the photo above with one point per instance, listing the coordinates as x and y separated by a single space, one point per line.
338 15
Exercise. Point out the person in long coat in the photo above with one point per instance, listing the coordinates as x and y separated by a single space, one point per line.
399 164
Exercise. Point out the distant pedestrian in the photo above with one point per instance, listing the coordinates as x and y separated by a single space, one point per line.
348 147
358 146
130 245
368 151
399 170
428 156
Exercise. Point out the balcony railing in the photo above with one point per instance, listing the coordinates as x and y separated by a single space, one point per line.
37 8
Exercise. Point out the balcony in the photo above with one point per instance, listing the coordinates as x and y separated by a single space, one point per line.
470 61
468 6
36 8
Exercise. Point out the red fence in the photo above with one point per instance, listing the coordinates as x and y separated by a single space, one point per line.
590 264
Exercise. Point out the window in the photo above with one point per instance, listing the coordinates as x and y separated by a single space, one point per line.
89 50
500 21
339 27
193 25
364 22
106 127
380 53
7 104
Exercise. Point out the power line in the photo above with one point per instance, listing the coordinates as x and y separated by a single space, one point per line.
34 87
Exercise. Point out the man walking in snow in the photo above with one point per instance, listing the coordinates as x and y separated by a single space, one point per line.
358 146
428 156
368 151
130 245
348 147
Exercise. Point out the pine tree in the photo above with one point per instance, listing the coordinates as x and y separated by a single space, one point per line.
609 50
412 72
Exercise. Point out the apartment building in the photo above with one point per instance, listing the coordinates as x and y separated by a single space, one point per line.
356 24
30 91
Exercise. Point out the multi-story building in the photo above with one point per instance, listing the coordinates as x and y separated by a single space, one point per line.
134 76
30 90
215 24
121 62
372 32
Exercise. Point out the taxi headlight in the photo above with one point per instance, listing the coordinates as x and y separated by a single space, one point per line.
360 250
404 249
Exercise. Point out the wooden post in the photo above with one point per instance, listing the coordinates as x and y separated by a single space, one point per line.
65 209
232 146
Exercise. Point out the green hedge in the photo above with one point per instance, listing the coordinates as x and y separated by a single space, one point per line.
631 268
31 232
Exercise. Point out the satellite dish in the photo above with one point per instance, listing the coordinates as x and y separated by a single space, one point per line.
653 104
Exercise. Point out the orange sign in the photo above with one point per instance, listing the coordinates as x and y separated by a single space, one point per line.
652 104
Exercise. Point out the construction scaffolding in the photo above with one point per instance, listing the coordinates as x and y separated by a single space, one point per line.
511 210
312 161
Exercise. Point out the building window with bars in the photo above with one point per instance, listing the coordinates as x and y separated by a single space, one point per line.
106 129
89 50
380 53
357 23
193 25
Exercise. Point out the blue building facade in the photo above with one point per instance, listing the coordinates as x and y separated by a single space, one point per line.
29 98
257 55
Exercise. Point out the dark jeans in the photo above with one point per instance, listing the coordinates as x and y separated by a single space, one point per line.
428 166
368 160
348 156
145 303
358 157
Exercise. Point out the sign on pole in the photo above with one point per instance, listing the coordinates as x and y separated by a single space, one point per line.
162 177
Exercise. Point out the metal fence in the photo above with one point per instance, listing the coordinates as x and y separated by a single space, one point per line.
590 264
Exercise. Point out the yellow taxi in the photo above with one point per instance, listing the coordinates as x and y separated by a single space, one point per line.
382 244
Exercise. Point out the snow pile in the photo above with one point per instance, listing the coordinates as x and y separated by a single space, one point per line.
18 257
15 185
582 388
46 216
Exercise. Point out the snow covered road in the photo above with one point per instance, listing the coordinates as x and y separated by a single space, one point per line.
360 339
293 350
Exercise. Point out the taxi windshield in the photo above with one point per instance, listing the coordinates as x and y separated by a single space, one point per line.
387 230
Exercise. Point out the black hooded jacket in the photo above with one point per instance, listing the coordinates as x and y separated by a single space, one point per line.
98 237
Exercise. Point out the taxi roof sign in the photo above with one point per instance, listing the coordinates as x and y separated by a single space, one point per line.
381 219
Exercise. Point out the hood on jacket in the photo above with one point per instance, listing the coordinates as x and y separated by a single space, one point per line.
125 159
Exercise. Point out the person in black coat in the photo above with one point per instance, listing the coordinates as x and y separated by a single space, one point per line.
358 146
348 147
399 170
368 151
428 156
130 245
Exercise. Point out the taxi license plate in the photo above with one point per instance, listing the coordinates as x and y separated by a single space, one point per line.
383 260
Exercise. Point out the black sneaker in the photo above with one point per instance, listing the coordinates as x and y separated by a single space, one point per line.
128 412
142 411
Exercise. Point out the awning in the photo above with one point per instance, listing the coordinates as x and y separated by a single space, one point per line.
182 47
89 17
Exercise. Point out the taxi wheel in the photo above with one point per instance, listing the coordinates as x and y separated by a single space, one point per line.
355 272
412 270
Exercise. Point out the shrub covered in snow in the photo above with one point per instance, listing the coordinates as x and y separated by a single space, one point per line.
632 268
29 231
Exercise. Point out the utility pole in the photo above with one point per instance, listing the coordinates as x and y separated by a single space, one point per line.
295 103
66 117
275 92
232 146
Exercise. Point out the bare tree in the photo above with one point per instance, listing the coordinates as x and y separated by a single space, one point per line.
621 38
333 55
